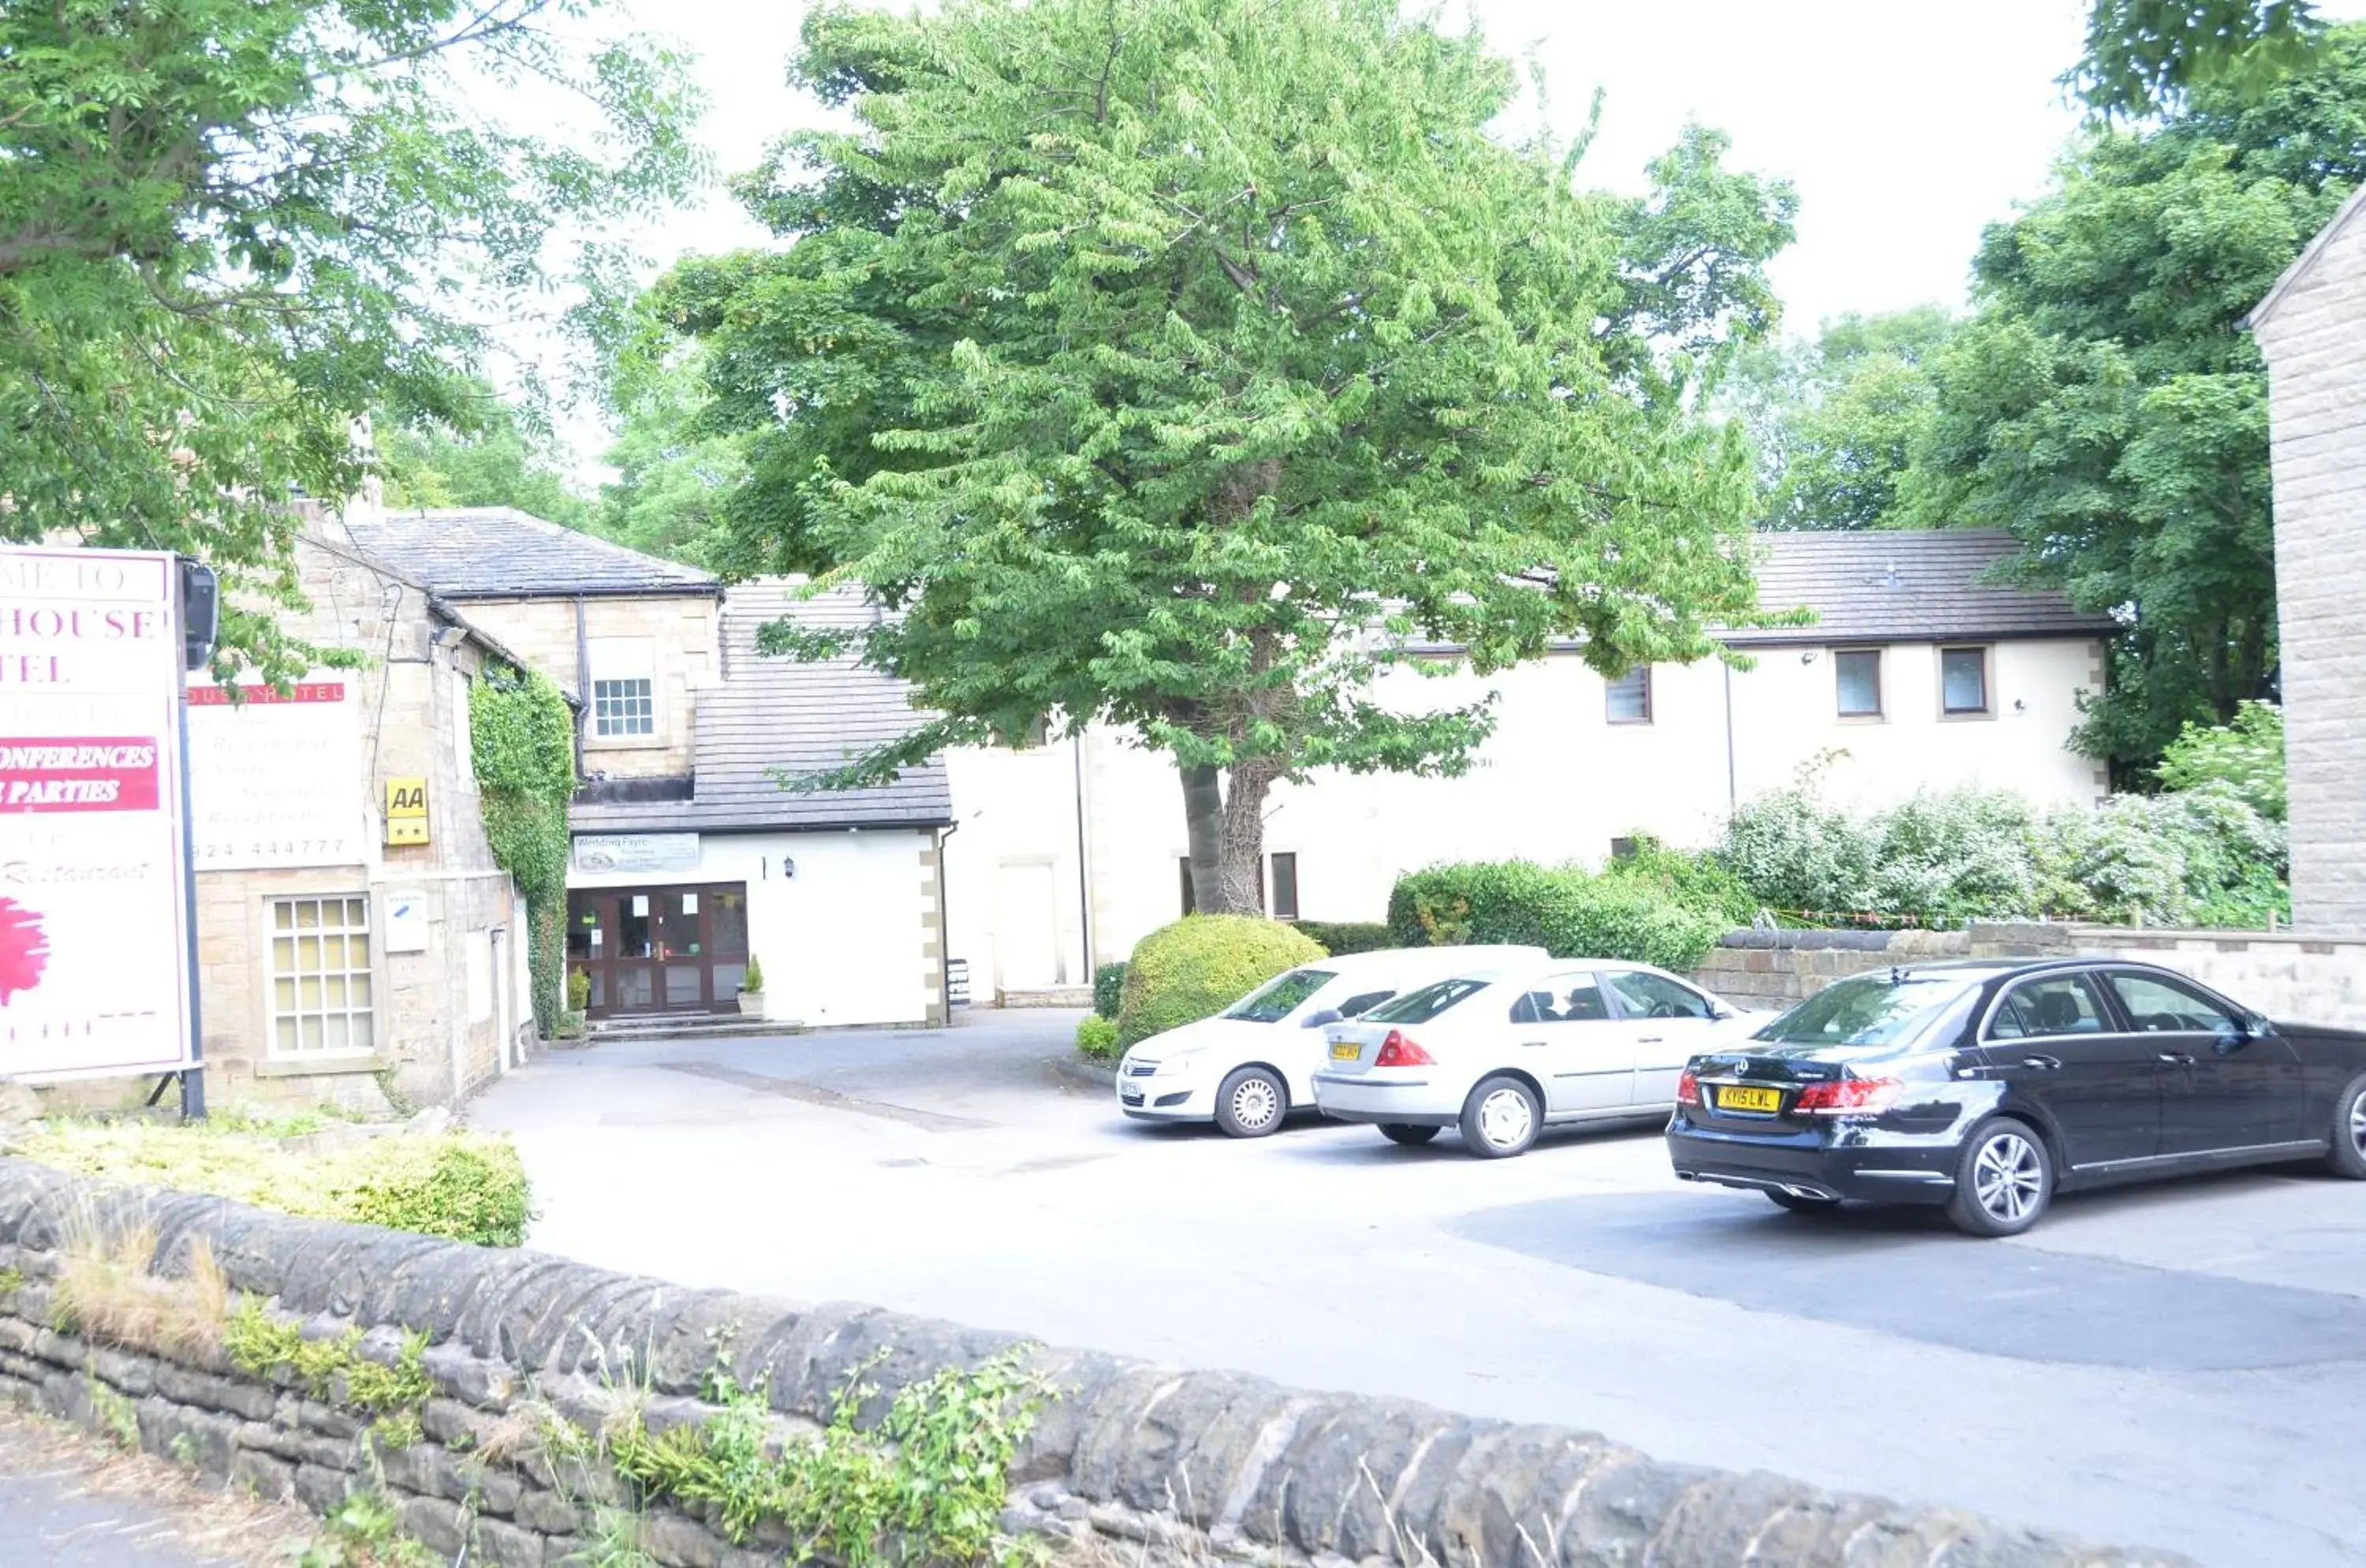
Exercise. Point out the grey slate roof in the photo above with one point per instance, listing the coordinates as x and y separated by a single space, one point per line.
1884 586
776 714
497 552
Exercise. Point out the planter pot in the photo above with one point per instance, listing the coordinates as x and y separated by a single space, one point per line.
752 1004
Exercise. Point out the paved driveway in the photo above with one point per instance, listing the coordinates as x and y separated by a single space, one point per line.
2181 1366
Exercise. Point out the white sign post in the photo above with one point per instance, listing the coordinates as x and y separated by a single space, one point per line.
95 933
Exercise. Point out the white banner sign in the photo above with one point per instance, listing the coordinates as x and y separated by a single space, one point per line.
93 944
637 851
275 778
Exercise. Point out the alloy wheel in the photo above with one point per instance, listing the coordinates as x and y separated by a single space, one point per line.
2358 1123
2008 1177
1504 1118
1254 1103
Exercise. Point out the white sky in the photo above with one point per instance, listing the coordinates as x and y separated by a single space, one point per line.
1906 125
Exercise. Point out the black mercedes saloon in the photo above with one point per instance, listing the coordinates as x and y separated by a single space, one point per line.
1989 1087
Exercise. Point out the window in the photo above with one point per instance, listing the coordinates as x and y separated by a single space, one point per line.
321 976
1867 1010
1630 696
1285 887
1420 1007
2156 1005
1963 680
2063 1004
1574 997
1277 999
624 707
1654 996
1859 672
1190 903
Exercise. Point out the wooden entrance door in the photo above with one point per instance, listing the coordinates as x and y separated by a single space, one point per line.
660 950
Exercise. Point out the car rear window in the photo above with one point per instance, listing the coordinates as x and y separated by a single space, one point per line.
1867 1010
1279 998
1420 1007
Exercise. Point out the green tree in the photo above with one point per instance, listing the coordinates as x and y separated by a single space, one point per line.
227 227
503 462
1182 362
2145 56
1836 420
675 477
2247 755
2104 405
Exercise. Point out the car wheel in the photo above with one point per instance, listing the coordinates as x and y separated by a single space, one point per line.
1251 1102
1501 1118
2004 1179
2349 1155
1801 1203
1398 1132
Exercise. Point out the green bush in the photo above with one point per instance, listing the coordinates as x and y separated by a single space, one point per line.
1688 876
1201 964
1109 989
1340 937
465 1186
1568 912
2247 755
1097 1037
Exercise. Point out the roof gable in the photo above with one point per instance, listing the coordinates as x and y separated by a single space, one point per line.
1896 585
2307 262
499 552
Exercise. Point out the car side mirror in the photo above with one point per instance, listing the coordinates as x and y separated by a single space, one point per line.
1317 1019
2231 1039
2256 1027
1719 1011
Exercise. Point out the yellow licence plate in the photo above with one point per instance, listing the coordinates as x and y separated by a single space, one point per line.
1344 1050
1749 1098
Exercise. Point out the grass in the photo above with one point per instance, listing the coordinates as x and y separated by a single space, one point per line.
104 1292
465 1186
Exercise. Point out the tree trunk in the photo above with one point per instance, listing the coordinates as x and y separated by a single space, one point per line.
1203 824
1244 845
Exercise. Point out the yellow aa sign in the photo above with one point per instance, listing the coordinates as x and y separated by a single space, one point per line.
406 811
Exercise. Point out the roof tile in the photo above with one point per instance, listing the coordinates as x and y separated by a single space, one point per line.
497 552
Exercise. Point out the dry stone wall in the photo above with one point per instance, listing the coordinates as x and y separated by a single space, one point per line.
1170 1467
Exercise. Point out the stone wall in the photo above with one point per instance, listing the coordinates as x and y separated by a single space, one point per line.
2313 336
678 634
2301 979
1177 1467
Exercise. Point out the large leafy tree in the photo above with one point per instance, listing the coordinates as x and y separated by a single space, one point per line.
1836 418
2105 405
2145 56
505 458
1182 362
229 227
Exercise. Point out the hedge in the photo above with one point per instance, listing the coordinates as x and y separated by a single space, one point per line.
462 1186
1201 964
1569 912
1109 989
1340 937
1096 1038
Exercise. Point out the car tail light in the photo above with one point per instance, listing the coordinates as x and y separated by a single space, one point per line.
1397 1051
1689 1088
1849 1096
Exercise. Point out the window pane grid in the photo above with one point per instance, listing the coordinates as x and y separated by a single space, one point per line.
321 976
1629 696
624 707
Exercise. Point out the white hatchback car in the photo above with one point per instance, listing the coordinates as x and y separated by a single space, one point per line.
1250 1065
1503 1052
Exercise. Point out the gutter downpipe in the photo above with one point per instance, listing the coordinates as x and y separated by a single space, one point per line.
1732 792
1084 865
582 680
945 922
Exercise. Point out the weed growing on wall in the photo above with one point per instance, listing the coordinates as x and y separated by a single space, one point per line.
334 1370
522 736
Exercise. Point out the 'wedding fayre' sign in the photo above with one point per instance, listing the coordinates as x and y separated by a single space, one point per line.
93 942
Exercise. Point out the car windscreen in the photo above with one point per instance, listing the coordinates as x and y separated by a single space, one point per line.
1420 1007
1279 998
1869 1010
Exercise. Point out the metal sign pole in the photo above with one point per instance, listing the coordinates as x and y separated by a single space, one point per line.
193 1077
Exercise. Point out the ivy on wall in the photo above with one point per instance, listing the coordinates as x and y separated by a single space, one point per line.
522 736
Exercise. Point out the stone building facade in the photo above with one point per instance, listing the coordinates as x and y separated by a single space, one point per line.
2311 329
337 964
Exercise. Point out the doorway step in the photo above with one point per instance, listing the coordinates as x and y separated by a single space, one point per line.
688 1026
1046 996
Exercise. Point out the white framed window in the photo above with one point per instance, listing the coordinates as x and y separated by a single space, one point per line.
321 1000
625 707
1629 696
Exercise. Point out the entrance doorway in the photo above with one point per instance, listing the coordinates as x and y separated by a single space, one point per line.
653 949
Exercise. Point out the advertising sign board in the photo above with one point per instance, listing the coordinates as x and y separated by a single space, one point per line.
94 922
275 776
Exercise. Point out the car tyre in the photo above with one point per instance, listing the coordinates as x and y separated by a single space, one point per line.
2004 1179
1501 1118
1411 1137
1251 1102
1801 1203
2347 1156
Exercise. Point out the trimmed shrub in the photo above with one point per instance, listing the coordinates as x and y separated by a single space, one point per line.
1340 937
470 1189
1097 1037
1687 876
1109 989
1201 964
1565 910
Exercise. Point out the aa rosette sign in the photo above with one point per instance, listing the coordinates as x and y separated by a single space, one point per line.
93 938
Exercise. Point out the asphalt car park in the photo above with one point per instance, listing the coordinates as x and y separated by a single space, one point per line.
2178 1364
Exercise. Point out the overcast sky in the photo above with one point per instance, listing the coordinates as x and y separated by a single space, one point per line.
1906 125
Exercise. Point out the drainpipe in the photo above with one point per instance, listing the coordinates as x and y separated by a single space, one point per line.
945 924
1732 793
1084 863
582 681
